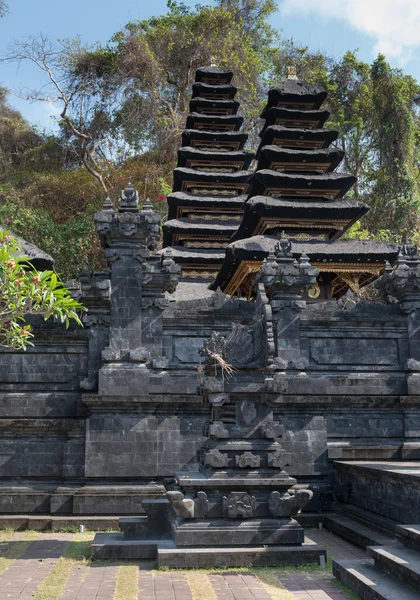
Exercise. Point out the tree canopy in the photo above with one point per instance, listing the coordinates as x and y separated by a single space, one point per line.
123 105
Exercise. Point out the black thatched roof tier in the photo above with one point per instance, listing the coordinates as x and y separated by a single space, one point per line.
192 158
214 107
213 75
309 139
181 204
207 183
350 252
40 260
197 255
311 119
263 215
207 140
178 230
214 92
295 95
299 161
214 122
296 185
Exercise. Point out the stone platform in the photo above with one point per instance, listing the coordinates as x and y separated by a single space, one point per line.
358 482
114 546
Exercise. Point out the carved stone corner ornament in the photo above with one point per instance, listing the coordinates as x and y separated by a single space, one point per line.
412 365
214 458
283 276
183 507
279 459
141 355
218 430
201 505
238 505
402 282
272 430
247 459
288 504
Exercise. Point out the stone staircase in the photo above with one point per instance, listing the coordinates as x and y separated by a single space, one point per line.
392 569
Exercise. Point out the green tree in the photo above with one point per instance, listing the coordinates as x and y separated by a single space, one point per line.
24 292
4 8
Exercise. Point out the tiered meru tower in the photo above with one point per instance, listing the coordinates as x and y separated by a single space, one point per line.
296 193
211 181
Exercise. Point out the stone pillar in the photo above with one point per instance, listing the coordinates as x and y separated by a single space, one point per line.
284 280
138 284
95 295
403 284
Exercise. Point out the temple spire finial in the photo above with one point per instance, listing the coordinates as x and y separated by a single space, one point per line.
291 73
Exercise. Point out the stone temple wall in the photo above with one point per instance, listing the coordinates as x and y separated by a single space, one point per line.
94 420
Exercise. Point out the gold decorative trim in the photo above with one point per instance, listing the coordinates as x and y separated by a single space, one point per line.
184 237
295 105
214 96
297 123
339 267
185 210
214 110
215 126
214 81
270 222
198 244
300 167
245 269
309 144
215 146
273 192
216 189
211 166
248 268
214 217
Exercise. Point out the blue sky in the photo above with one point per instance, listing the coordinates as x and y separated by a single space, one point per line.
333 26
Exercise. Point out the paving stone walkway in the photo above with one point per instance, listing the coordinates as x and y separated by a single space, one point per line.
170 586
23 577
24 574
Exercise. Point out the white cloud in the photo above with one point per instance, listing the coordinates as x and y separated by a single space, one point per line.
394 25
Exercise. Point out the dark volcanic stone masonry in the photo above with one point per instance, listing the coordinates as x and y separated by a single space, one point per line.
214 419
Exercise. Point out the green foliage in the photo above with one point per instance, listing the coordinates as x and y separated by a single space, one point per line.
4 8
24 291
131 97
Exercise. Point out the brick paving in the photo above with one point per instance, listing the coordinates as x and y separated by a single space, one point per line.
238 586
98 584
163 586
97 581
22 578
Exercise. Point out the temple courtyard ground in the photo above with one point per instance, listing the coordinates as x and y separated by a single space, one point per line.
56 566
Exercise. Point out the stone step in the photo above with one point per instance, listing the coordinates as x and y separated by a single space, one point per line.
368 518
53 523
113 546
132 527
397 560
370 583
192 558
354 532
409 535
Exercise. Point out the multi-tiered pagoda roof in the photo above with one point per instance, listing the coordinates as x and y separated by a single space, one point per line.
295 192
212 179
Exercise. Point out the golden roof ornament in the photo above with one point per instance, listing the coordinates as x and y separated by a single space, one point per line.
291 73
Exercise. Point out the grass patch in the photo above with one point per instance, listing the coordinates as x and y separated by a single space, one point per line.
77 552
272 584
16 550
345 589
127 583
200 586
